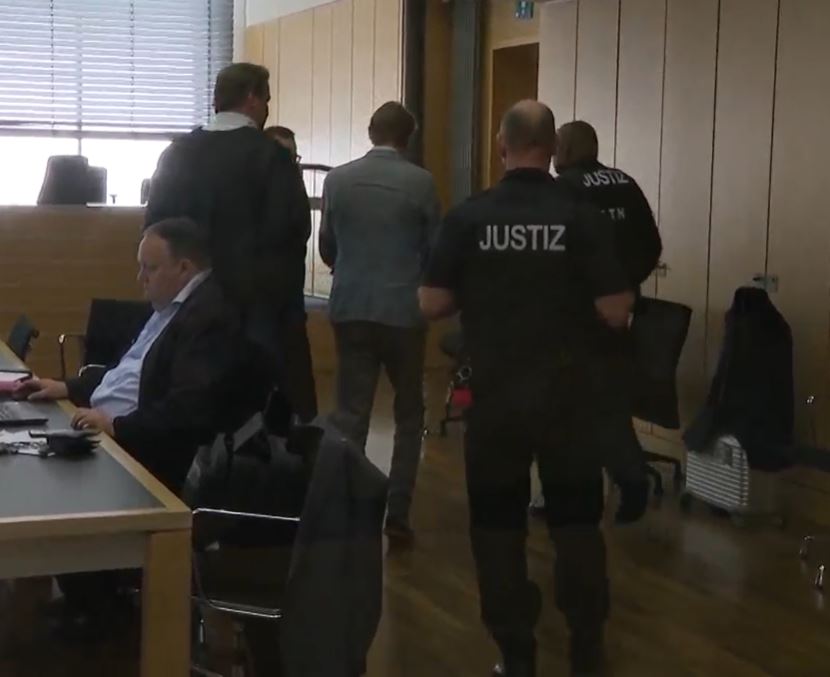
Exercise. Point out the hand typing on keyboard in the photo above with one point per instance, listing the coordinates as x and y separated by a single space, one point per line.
93 419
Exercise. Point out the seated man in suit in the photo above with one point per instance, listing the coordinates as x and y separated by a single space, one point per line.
165 397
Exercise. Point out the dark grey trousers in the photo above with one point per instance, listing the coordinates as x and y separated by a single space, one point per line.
362 349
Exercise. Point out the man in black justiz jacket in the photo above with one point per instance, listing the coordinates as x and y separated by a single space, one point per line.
638 247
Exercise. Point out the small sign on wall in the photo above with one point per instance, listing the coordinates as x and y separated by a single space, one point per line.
524 10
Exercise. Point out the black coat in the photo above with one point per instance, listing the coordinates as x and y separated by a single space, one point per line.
751 396
188 376
335 587
249 194
619 197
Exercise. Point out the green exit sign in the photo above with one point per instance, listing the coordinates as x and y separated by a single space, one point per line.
524 10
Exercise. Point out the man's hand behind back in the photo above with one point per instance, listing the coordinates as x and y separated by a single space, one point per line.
615 309
41 390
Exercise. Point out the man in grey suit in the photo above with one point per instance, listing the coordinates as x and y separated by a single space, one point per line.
379 216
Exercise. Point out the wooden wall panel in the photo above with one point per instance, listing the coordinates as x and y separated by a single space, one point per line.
557 59
54 260
596 70
743 142
436 133
341 83
799 239
363 68
255 44
387 70
321 87
686 177
295 89
270 58
640 107
640 98
318 279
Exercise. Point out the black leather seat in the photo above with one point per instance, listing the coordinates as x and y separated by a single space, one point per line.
69 180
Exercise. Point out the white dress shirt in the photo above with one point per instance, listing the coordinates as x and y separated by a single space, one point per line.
229 120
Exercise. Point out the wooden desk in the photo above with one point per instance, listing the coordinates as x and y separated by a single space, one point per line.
102 513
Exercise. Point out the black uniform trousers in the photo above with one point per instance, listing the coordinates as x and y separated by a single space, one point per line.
505 432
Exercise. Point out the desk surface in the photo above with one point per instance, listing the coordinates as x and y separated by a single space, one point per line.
107 492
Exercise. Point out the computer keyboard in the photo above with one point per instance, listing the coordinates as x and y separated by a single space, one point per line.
20 413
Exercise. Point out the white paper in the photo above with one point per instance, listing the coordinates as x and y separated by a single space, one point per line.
21 442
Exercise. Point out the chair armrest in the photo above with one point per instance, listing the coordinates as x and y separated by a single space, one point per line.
201 596
70 335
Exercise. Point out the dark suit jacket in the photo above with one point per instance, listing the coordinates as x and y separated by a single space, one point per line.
335 585
189 374
248 192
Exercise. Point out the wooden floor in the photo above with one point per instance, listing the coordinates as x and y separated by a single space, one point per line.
692 594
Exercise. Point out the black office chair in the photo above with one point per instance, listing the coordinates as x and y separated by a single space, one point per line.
240 569
97 177
21 336
659 331
112 326
249 488
815 458
69 180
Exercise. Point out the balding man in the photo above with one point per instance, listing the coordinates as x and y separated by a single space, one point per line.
536 279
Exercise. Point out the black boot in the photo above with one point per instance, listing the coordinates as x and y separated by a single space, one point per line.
587 655
517 664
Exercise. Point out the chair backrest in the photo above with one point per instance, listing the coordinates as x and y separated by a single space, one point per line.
66 182
21 336
111 328
659 332
97 185
314 175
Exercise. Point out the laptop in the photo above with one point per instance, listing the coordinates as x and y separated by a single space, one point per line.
17 414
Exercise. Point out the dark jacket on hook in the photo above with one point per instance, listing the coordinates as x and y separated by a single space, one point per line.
751 396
